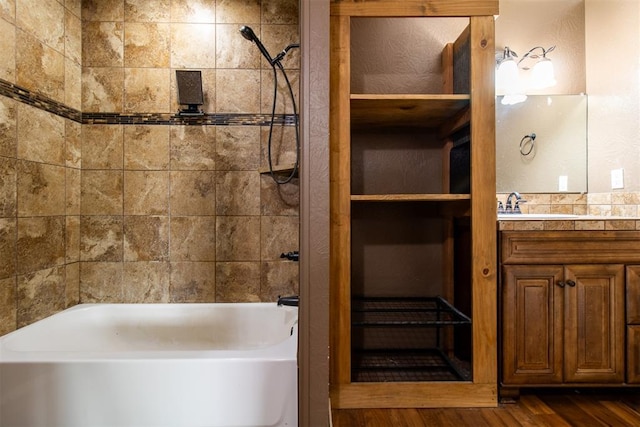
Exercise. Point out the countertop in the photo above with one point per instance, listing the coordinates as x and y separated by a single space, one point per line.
549 222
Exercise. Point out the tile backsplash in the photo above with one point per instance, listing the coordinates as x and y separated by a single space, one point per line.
106 195
614 204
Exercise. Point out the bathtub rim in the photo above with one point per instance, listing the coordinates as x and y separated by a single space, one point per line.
284 351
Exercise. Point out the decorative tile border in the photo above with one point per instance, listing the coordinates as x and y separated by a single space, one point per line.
218 119
39 101
28 97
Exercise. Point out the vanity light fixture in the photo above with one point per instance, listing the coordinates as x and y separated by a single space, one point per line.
542 74
508 78
508 81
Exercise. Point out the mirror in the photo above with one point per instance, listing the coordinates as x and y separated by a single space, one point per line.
552 160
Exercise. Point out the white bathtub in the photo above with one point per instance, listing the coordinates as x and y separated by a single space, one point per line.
178 365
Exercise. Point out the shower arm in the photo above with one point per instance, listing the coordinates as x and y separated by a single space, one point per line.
248 34
281 55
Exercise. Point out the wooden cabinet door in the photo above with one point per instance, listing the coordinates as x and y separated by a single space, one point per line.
594 323
532 324
633 294
633 354
633 327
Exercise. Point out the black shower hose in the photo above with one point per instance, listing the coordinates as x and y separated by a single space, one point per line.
295 118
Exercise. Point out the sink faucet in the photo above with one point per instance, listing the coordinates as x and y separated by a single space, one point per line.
514 208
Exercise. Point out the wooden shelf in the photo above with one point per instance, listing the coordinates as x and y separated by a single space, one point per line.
424 111
409 197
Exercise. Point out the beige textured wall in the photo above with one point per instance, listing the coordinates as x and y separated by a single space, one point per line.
524 24
400 55
611 35
613 85
148 213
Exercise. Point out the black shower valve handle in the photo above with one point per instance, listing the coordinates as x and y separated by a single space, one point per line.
291 256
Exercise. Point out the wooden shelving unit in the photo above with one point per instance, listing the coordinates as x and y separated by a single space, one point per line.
411 173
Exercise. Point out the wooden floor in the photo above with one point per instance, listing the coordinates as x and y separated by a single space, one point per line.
553 408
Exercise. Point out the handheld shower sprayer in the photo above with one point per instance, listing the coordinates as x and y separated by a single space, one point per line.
248 34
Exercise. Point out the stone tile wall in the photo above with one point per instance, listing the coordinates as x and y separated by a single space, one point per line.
99 206
40 159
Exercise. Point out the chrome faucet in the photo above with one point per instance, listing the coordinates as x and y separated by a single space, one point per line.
509 208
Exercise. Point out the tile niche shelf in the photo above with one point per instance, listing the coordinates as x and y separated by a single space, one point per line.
284 169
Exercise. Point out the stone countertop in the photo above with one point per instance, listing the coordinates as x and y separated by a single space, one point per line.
567 222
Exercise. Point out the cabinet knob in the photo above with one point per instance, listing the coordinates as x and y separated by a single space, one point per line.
567 283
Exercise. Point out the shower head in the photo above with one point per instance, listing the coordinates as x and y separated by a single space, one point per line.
248 34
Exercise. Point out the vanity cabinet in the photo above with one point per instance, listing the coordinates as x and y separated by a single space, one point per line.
412 178
567 301
563 324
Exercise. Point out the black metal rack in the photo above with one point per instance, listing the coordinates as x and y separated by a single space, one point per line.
391 311
405 320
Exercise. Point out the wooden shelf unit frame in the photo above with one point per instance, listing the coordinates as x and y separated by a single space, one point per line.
349 110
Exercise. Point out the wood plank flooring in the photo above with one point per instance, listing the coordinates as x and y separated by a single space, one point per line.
552 408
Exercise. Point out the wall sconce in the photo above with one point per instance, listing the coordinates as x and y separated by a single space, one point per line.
508 81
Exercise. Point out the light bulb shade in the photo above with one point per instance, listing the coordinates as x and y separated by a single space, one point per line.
542 74
507 77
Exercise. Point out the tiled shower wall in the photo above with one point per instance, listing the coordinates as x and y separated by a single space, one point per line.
39 160
156 209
